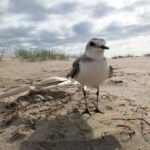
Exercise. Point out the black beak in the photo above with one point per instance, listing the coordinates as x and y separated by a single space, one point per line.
104 47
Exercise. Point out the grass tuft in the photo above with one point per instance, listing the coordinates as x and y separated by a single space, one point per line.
127 56
120 56
39 55
147 55
2 54
116 57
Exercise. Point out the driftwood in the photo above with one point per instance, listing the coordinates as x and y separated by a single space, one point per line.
46 84
16 91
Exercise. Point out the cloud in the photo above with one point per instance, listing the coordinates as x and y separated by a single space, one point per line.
16 32
130 8
102 9
138 29
35 10
14 36
141 3
49 38
63 8
82 31
114 31
135 5
145 17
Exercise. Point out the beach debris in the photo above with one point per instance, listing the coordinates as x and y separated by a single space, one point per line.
1 131
43 85
19 133
130 119
11 105
104 97
11 116
16 91
38 97
49 97
147 133
130 131
116 80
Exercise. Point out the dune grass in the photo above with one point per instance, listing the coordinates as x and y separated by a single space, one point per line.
120 56
39 55
147 55
1 54
116 57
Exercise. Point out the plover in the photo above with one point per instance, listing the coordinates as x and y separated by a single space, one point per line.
92 69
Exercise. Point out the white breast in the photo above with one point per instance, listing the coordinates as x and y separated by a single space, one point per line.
93 73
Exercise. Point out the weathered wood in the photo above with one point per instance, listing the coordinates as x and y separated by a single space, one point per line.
16 91
52 80
45 84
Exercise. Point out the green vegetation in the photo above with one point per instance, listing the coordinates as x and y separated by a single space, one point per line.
147 55
39 55
1 54
126 56
120 56
116 57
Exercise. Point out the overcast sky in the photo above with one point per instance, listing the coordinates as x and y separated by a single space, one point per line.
69 24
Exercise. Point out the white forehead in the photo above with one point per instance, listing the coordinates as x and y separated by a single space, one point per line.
98 41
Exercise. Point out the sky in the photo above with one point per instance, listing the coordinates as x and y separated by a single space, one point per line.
67 25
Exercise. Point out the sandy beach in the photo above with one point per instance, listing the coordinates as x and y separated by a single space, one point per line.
55 120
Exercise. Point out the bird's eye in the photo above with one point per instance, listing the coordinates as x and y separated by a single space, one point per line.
92 44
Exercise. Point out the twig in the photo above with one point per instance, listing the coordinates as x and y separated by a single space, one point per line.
125 126
131 133
132 119
146 133
12 115
9 119
142 125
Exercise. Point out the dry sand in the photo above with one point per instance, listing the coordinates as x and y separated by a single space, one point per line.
54 121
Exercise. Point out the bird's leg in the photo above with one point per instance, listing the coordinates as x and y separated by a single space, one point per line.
86 111
97 99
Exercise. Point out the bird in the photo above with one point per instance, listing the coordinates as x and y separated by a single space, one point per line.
92 69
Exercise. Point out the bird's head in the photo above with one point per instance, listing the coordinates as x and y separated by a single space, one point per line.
95 48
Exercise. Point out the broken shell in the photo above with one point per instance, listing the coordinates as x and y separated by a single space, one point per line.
40 97
50 97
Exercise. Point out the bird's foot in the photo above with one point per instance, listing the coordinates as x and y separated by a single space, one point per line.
98 111
86 111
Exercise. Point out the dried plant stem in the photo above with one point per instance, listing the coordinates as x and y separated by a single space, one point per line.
128 119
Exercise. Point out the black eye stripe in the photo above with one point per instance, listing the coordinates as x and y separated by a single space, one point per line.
92 44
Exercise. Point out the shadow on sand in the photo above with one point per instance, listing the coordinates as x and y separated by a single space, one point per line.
67 132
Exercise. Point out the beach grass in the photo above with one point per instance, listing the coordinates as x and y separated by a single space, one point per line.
40 55
147 55
120 56
1 54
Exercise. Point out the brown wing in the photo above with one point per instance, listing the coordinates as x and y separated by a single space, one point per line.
110 71
75 68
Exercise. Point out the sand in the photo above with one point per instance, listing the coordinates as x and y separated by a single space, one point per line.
53 120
